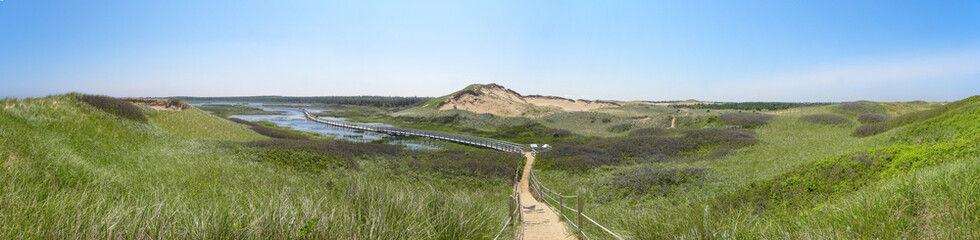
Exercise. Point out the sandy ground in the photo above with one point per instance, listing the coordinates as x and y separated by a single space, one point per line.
504 102
538 220
567 105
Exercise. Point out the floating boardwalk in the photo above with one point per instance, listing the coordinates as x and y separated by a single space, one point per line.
444 136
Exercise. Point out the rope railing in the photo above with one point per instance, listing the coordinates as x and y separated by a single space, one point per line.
544 196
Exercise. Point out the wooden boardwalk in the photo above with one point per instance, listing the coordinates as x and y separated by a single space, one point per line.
444 136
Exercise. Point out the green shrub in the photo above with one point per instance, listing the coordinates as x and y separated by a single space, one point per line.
826 119
620 127
268 131
872 118
648 132
748 106
644 148
745 120
115 106
650 180
857 108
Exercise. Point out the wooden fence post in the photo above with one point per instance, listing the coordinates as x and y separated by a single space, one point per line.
580 226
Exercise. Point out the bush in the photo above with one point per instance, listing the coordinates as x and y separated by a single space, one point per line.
745 120
574 158
648 180
749 106
870 129
620 127
115 106
268 131
859 107
645 148
826 119
873 118
721 137
647 132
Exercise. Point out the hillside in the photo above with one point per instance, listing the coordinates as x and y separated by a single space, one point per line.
498 100
69 170
802 179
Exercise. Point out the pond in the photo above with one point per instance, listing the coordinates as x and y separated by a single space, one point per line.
294 119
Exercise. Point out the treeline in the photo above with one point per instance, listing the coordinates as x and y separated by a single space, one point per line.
749 106
374 101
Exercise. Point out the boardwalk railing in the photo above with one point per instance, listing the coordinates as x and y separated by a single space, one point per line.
558 205
444 136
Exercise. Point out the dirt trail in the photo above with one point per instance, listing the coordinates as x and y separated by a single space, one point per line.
539 221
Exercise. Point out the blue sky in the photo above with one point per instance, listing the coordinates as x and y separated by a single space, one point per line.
619 50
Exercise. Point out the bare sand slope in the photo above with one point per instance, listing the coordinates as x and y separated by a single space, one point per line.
497 100
538 220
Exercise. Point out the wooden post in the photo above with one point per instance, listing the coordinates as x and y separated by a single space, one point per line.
580 226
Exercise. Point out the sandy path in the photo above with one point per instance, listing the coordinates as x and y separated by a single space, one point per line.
539 221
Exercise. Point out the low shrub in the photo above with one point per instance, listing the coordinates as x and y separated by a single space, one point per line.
574 158
745 120
647 132
651 180
620 127
857 108
872 118
731 138
643 148
115 106
268 131
826 119
486 164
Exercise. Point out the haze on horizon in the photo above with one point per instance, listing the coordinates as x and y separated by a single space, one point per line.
706 50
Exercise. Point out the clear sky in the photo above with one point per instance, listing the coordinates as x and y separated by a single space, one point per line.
619 50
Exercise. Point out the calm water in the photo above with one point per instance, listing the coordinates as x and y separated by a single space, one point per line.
295 120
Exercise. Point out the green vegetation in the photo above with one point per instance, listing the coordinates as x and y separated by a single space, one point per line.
709 142
858 108
69 170
743 120
513 129
749 106
374 101
115 106
827 119
194 123
225 111
800 181
909 118
269 131
872 118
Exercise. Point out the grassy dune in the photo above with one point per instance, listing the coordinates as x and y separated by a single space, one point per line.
806 180
71 171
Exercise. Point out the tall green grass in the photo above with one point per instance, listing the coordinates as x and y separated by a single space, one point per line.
917 181
70 171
